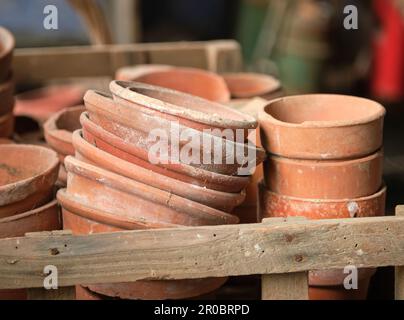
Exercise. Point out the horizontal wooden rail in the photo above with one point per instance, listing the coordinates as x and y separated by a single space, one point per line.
272 247
44 64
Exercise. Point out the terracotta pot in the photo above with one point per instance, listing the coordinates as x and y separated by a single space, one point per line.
275 205
322 126
131 73
7 96
43 103
84 294
188 110
216 199
326 179
197 82
59 129
46 218
27 176
137 128
7 44
183 172
6 125
335 277
112 192
6 141
249 85
83 220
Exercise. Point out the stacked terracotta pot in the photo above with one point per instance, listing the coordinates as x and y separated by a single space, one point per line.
27 178
6 84
325 162
113 184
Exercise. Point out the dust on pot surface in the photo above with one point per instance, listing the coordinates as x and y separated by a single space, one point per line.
198 82
325 179
248 85
6 96
216 199
116 193
7 44
183 172
322 126
27 176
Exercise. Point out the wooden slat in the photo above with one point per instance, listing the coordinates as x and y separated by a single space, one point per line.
399 270
285 286
43 64
201 252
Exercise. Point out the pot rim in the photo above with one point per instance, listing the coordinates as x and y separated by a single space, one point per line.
326 162
29 213
379 112
139 189
272 83
125 90
141 70
80 143
8 42
52 166
376 195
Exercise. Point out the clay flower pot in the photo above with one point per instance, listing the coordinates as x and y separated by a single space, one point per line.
190 111
326 179
194 81
322 126
7 44
6 125
135 199
183 172
27 176
131 73
216 199
244 85
275 205
42 103
83 294
6 141
136 128
6 96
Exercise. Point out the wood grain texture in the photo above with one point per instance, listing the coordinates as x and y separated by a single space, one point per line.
43 64
200 252
285 286
399 270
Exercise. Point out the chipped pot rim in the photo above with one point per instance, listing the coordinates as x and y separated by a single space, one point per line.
27 214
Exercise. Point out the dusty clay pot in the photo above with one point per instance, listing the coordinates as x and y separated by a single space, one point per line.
112 192
7 44
42 103
197 82
133 72
190 111
6 96
136 129
84 294
326 179
6 141
276 205
83 220
6 125
216 199
46 218
322 126
249 85
27 176
183 172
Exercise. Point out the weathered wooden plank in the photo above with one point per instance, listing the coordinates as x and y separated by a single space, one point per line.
201 252
285 286
399 270
43 64
63 293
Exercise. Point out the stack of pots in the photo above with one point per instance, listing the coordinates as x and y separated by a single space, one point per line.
325 161
27 177
6 84
113 184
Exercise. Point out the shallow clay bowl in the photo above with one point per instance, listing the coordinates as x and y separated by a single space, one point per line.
116 193
188 110
326 179
59 129
322 126
6 96
200 83
183 172
6 125
27 176
243 85
216 199
275 205
7 44
137 129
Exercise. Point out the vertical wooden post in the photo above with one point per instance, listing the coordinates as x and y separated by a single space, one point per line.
285 286
399 270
